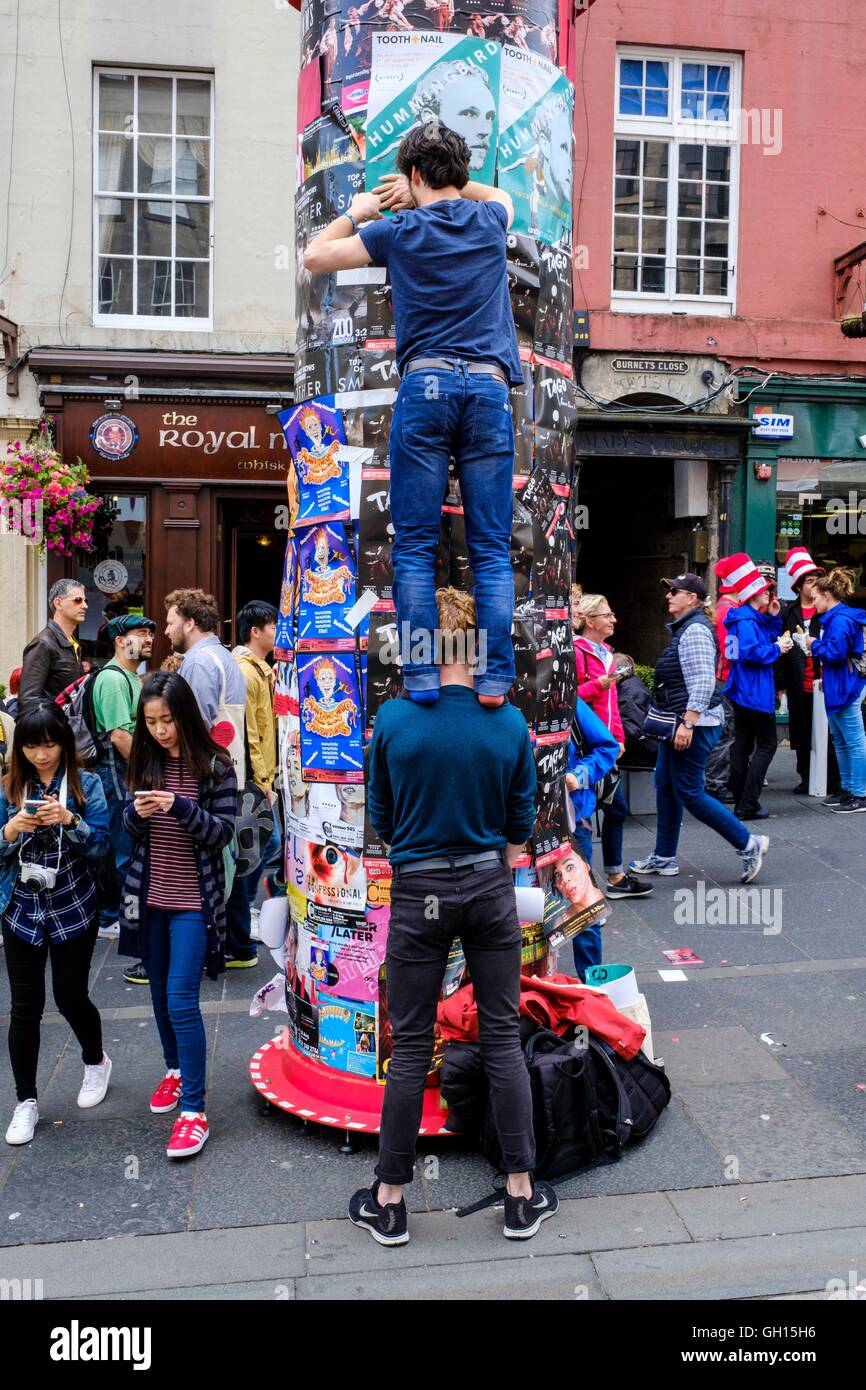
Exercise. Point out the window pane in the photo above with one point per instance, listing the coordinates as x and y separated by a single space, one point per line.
154 229
192 229
656 74
625 272
691 161
689 202
630 101
115 225
656 103
626 195
154 105
154 287
115 164
625 235
655 159
718 78
628 156
655 196
115 102
715 278
718 200
692 106
154 164
631 72
654 236
718 107
719 163
716 239
653 276
689 238
114 291
688 277
193 107
191 289
192 174
693 77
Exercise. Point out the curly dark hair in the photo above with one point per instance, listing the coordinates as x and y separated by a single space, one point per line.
440 155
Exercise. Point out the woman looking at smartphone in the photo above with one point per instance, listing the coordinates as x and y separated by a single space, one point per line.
54 828
181 815
840 652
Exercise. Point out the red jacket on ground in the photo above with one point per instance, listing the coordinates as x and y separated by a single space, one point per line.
554 1002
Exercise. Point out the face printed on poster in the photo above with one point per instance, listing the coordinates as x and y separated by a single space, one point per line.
422 77
320 812
315 433
330 705
327 590
572 902
334 877
535 145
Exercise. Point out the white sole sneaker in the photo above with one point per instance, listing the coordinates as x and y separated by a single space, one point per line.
109 933
87 1099
24 1122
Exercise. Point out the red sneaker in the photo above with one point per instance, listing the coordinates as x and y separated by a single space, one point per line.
166 1095
189 1134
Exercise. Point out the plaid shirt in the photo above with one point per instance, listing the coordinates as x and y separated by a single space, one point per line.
698 656
210 822
68 909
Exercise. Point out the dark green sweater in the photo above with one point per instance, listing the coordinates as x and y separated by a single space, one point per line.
450 778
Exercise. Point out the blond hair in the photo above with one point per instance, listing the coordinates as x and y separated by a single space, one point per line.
839 582
588 605
456 611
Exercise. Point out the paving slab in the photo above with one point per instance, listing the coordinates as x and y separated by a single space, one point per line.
754 1267
336 1247
773 1129
806 1010
716 1056
771 1208
85 1269
837 1080
548 1278
255 1291
682 1004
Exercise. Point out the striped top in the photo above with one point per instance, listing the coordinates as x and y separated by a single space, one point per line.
173 882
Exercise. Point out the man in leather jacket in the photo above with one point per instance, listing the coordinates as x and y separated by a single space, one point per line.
53 659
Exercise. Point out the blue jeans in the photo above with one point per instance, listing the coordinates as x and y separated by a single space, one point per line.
849 740
112 778
612 822
176 948
587 944
679 783
439 414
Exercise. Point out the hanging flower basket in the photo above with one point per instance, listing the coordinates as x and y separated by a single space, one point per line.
35 477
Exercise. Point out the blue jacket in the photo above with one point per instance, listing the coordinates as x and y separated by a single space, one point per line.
753 653
89 840
841 638
604 751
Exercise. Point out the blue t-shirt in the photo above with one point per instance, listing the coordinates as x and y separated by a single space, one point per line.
449 289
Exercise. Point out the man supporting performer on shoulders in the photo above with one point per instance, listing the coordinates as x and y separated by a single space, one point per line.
457 355
454 824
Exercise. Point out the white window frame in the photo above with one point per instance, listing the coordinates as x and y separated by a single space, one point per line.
150 322
676 131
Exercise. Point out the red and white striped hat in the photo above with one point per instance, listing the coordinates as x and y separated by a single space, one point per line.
799 563
739 577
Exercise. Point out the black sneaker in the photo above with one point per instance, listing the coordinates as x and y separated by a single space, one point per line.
837 798
847 808
628 887
387 1225
136 975
524 1215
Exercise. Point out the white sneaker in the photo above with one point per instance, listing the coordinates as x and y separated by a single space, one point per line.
110 933
95 1083
24 1122
254 924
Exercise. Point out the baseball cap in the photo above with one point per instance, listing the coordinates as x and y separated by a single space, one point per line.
126 622
688 583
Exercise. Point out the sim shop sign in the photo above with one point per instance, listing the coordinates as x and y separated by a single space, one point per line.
772 424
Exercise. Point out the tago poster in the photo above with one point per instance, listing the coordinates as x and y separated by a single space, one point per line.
418 77
535 145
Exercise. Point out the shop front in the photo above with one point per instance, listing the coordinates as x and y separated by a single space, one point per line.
197 489
658 448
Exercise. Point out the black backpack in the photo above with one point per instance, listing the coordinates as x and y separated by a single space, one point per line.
587 1104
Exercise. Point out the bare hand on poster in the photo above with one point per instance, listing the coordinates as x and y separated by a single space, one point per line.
394 192
365 207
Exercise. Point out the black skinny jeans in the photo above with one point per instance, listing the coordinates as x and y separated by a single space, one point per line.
754 749
70 970
427 911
